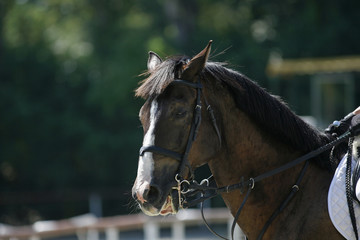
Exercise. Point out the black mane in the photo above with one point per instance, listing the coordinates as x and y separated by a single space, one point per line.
268 111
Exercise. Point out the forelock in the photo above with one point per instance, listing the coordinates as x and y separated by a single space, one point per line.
160 78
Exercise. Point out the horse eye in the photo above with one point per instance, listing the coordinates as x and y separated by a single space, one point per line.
181 114
179 96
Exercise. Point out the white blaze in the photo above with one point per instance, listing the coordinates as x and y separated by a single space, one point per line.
146 162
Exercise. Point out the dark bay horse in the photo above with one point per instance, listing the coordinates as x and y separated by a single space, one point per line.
254 132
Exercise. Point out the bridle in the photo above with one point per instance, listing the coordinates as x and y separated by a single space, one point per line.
188 188
182 158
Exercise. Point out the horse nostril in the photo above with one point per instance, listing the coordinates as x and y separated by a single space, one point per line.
152 194
134 195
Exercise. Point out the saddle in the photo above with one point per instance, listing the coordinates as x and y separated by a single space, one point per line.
344 191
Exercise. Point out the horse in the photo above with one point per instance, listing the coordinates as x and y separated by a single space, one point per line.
247 132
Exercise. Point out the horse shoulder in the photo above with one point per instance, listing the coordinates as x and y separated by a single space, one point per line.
307 216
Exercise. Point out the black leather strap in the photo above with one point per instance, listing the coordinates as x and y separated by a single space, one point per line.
349 197
160 150
187 83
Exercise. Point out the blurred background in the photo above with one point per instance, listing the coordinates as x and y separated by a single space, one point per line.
69 129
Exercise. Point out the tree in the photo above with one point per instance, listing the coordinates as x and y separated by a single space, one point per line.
68 68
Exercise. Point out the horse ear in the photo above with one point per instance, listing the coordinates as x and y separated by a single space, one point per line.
197 63
153 61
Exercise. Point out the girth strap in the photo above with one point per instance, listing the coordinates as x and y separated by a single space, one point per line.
349 196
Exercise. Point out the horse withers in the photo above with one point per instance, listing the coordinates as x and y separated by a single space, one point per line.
246 133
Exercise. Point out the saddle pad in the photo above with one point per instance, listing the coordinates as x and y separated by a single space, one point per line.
337 203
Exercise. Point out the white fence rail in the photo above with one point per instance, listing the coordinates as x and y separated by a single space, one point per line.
88 227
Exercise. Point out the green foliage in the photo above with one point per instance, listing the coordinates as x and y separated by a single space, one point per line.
68 69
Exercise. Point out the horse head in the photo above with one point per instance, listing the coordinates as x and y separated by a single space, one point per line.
173 143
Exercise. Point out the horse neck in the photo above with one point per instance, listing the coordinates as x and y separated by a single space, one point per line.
248 152
247 148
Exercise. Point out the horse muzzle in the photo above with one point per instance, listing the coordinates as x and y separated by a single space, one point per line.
152 202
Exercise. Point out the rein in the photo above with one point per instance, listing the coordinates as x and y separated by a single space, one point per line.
208 190
193 187
189 188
